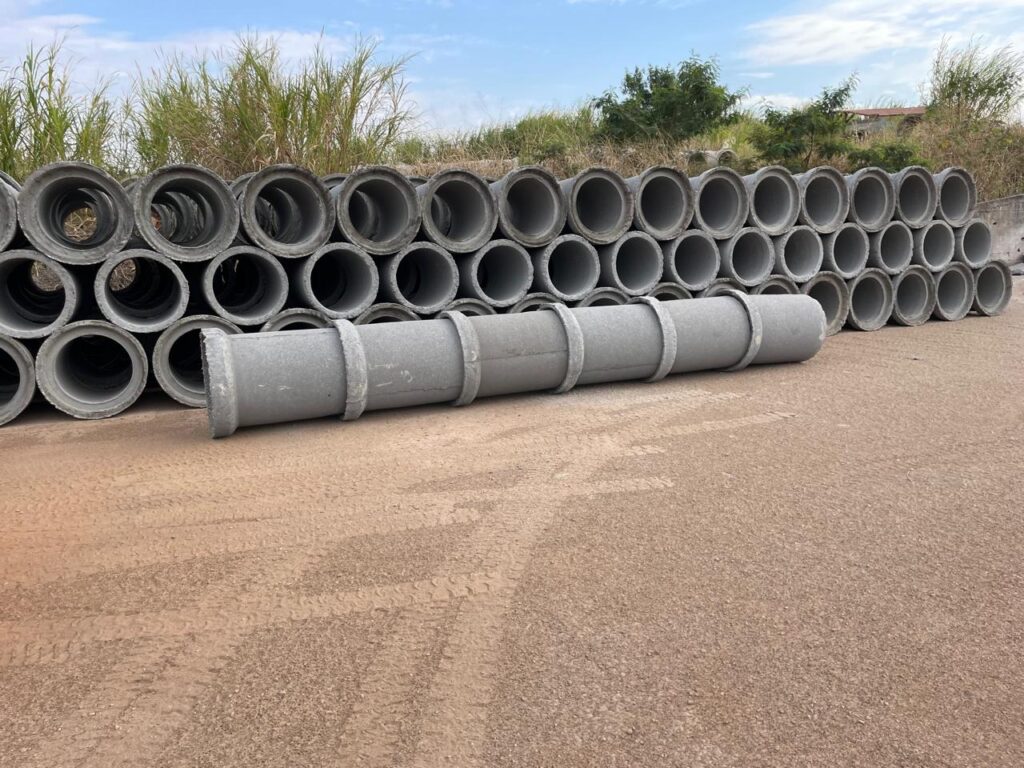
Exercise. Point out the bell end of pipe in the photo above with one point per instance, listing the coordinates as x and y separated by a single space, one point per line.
218 378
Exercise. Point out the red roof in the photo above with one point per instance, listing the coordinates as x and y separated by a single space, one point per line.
886 112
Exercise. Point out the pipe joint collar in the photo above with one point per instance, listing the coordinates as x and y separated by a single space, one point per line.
356 379
470 344
574 339
669 340
756 328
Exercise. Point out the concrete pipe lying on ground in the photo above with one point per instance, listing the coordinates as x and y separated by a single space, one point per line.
798 254
185 212
954 288
567 268
285 210
347 370
531 209
934 245
37 295
993 287
339 280
774 199
457 210
155 297
748 257
833 294
891 249
958 196
8 215
377 210
91 369
17 378
776 285
721 203
692 260
423 277
386 312
916 195
498 274
913 296
598 204
75 213
824 199
298 319
469 307
668 292
872 198
871 300
245 285
846 251
720 286
974 243
663 202
178 361
633 264
603 297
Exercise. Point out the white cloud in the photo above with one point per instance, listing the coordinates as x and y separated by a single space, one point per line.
757 102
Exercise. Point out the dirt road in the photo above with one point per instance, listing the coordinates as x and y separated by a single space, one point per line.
810 565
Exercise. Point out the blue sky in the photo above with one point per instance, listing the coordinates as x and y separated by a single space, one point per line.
483 61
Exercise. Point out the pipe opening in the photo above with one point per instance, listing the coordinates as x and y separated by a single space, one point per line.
802 253
532 206
870 201
915 198
385 313
604 300
76 214
424 277
827 294
32 297
638 263
912 294
247 287
185 212
662 203
10 378
379 210
696 261
773 202
850 250
572 268
895 247
670 292
977 244
285 211
185 360
869 302
993 289
599 204
751 256
937 245
93 369
775 289
719 204
954 292
341 280
822 201
143 289
458 210
503 273
955 198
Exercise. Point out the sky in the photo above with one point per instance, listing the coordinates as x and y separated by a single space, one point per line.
484 61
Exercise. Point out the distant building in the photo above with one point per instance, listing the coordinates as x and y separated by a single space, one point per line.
868 121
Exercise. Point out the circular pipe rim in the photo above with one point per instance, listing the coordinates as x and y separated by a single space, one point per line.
613 263
470 267
671 254
469 307
426 193
881 178
963 233
776 281
385 309
921 238
880 318
68 281
297 315
829 261
405 233
673 291
885 262
959 312
838 181
992 309
532 301
639 185
754 181
913 272
353 255
728 253
248 189
782 263
26 387
389 277
841 311
733 180
965 177
721 286
604 293
171 382
542 259
922 175
506 211
574 187
278 284
108 302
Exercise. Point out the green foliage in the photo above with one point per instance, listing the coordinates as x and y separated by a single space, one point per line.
666 103
890 155
971 83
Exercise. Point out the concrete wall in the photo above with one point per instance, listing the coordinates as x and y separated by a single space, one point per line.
1006 218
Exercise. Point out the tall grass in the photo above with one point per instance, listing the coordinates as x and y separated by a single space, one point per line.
973 83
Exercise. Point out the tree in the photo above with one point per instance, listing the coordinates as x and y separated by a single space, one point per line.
970 83
662 102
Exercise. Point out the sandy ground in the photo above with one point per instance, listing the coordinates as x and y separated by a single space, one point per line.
808 565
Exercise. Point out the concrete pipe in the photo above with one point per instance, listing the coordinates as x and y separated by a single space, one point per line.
604 297
91 369
916 196
872 198
954 287
667 292
958 196
692 260
846 251
934 245
338 279
974 244
75 213
156 296
568 268
633 264
892 249
348 370
422 277
386 312
663 202
457 210
798 254
721 203
531 302
531 210
298 319
469 307
245 285
10 181
833 294
285 210
776 285
332 180
774 199
993 287
37 295
598 204
871 300
8 215
913 296
17 379
178 361
721 286
185 212
377 210
824 199
499 274
748 257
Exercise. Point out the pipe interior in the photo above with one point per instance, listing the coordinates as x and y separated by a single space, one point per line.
379 210
822 200
914 195
185 360
662 202
77 214
869 200
385 317
187 213
669 293
458 210
953 292
850 250
289 210
341 281
751 256
424 277
896 247
10 377
572 267
151 292
719 203
696 260
802 252
977 244
32 294
867 301
955 197
992 287
775 289
599 204
828 296
937 245
638 263
532 206
93 368
247 286
912 294
605 300
503 273
773 201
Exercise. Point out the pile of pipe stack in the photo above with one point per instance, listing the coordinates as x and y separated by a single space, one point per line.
105 286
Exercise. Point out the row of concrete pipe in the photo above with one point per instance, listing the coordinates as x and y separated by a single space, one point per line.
869 247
